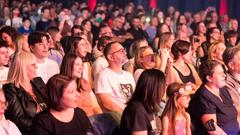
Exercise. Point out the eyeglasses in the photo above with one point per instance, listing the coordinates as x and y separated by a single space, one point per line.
122 51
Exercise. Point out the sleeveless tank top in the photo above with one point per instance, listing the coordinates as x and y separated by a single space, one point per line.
188 78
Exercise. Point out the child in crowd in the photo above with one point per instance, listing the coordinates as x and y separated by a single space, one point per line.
176 121
6 126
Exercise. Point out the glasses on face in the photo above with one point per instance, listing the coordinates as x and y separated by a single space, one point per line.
122 51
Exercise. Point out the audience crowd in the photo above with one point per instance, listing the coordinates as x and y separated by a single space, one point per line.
117 71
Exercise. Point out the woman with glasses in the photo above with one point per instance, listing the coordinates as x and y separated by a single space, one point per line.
6 126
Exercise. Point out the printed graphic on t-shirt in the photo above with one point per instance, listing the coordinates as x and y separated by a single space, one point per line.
127 90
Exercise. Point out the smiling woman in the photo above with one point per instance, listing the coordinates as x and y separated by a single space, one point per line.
26 94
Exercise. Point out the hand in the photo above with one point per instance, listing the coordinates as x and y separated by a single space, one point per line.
85 85
164 53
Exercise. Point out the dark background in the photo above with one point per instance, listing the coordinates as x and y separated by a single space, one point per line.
193 6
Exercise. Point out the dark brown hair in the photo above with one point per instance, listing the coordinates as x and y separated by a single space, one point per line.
55 88
150 90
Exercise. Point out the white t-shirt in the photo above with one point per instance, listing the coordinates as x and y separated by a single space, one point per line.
137 74
8 128
16 22
47 69
3 75
98 65
119 86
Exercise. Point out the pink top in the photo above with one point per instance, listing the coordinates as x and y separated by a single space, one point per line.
180 127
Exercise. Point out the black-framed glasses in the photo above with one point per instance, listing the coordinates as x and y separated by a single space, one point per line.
122 50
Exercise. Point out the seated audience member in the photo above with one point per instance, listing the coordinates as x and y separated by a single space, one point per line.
230 37
165 41
231 58
161 29
6 126
114 86
100 63
134 48
104 31
212 35
26 26
215 52
56 37
140 115
233 25
146 59
44 23
181 70
22 43
38 44
4 59
26 95
211 107
53 54
79 47
63 117
72 66
175 119
8 34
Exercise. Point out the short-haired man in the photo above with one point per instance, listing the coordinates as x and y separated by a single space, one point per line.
231 58
38 44
114 86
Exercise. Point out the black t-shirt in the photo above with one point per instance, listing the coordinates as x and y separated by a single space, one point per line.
46 124
120 32
135 118
205 102
43 26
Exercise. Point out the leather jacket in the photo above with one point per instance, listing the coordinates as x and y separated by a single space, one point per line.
22 108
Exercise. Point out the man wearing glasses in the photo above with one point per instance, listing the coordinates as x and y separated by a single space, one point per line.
114 86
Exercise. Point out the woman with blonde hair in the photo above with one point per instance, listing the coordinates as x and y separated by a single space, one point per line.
25 94
215 51
146 59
